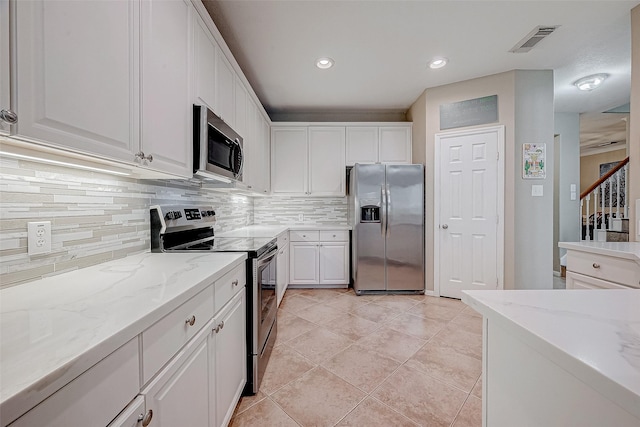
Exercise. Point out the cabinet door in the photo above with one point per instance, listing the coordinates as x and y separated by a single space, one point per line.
334 263
579 281
362 144
265 156
289 161
240 106
77 77
304 268
204 64
230 361
395 144
282 268
225 86
4 64
131 414
250 171
179 395
166 82
327 176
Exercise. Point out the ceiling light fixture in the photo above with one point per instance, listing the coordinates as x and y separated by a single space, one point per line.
590 82
324 63
438 63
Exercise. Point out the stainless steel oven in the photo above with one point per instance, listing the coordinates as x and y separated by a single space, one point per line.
180 228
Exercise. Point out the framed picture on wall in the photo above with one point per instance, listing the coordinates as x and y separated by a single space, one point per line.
534 161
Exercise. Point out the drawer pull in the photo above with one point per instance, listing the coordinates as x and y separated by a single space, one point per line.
222 325
235 282
596 265
146 418
191 321
334 235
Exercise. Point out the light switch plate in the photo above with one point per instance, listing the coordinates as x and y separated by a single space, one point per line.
537 190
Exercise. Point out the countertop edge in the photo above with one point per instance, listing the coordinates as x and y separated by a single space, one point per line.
601 250
615 392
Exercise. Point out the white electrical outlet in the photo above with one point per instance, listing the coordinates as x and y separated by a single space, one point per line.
300 217
537 190
39 237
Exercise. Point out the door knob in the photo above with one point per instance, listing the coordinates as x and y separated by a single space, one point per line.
445 226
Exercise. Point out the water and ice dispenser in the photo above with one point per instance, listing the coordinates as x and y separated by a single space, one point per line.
370 213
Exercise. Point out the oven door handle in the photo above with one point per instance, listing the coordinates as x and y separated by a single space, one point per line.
266 259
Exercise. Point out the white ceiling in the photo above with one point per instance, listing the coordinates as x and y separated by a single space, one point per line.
382 49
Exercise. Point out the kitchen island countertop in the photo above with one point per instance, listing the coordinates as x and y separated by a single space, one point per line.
627 250
594 335
55 328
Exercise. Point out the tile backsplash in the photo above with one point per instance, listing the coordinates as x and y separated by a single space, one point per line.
94 217
97 217
287 210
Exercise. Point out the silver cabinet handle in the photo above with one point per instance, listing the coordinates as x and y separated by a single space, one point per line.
216 329
222 325
235 282
191 321
445 226
596 265
140 156
9 116
146 418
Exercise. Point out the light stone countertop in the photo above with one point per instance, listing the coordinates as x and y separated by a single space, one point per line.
592 334
272 231
627 250
53 329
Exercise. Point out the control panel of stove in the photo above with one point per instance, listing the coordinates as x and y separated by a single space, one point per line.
175 216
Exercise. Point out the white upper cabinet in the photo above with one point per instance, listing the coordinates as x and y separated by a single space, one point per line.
225 85
4 69
241 108
77 77
378 144
289 155
395 144
327 175
204 64
167 112
264 155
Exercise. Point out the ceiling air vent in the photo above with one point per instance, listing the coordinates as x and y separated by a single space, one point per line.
533 38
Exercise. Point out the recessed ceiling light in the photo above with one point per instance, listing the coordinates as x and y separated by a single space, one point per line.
590 82
438 63
324 63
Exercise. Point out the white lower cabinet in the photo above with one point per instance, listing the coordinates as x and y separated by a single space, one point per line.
228 362
282 271
319 258
134 415
587 270
179 395
94 398
580 281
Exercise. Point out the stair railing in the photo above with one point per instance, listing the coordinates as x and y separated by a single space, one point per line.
597 224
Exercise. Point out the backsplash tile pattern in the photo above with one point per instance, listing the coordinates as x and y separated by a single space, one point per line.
286 210
95 217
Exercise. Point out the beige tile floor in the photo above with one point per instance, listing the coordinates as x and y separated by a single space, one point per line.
384 360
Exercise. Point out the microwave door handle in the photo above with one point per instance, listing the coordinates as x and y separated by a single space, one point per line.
240 170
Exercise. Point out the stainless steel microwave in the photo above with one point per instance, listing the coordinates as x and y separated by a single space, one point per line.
217 148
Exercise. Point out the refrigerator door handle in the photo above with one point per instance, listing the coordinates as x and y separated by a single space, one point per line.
383 208
387 209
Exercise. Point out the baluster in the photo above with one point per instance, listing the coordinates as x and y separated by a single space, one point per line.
625 174
610 180
595 213
581 216
588 235
602 207
618 194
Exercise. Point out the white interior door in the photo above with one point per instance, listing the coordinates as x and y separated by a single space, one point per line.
469 192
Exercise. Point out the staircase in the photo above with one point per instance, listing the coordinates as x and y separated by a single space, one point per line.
604 211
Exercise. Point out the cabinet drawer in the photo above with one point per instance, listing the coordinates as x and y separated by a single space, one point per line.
283 239
304 236
580 281
162 340
612 269
229 285
93 398
334 236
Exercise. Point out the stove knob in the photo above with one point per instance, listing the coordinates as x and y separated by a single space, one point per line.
169 215
204 213
212 213
178 214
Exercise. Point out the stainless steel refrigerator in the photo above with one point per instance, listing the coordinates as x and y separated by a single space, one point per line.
386 212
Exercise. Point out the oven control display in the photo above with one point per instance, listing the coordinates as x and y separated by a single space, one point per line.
190 214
